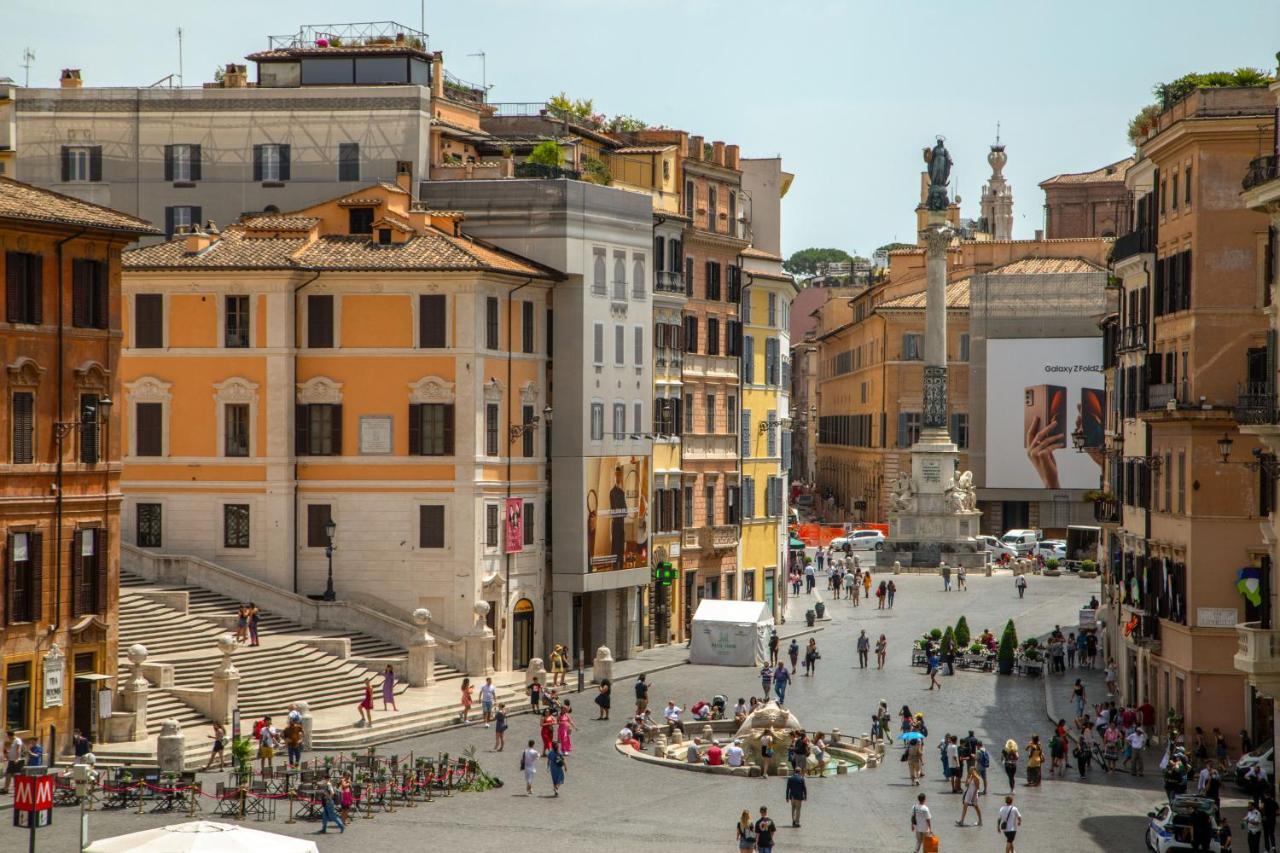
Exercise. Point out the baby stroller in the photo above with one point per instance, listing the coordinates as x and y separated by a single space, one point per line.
718 705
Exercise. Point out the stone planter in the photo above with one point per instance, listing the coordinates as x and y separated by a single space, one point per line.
1088 574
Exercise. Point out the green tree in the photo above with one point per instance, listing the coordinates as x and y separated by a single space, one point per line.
962 633
546 154
948 641
596 172
573 109
1008 647
805 261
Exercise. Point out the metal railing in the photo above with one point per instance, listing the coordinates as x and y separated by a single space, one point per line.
1159 396
668 281
356 34
1132 337
538 170
519 108
620 290
1261 170
1256 404
1133 243
598 287
1106 511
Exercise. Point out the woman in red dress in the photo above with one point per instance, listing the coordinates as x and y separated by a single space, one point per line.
548 730
366 704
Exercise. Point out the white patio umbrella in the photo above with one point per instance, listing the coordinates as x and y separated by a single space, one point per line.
202 836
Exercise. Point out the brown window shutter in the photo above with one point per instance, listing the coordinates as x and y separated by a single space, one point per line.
77 576
415 429
337 429
302 430
102 295
431 321
148 311
101 565
6 600
13 279
448 430
430 527
35 553
80 297
150 423
320 321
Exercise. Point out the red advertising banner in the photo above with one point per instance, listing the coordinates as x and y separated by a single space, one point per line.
515 525
32 793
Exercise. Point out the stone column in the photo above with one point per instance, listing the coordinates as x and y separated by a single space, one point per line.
478 644
134 695
937 237
226 683
422 652
171 747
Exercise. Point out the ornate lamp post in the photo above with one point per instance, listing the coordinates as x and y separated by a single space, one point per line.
330 527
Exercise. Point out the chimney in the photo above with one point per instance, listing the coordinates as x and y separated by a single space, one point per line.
235 76
197 240
695 147
437 75
731 156
404 176
717 153
1039 234
71 78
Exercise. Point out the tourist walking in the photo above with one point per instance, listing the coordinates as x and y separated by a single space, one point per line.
500 728
773 646
604 698
765 828
642 694
809 578
329 813
890 591
797 793
1137 739
745 832
1035 759
960 584
254 615
535 694
1078 698
766 680
1021 584
793 652
953 763
933 666
882 648
466 701
946 577
346 797
366 704
1071 650
1009 757
866 583
915 760
529 766
292 737
1253 828
781 678
972 785
555 767
1008 822
564 726
921 821
984 763
389 688
864 649
487 696
218 751
766 752
810 658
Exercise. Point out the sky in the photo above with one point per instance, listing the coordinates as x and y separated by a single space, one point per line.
848 92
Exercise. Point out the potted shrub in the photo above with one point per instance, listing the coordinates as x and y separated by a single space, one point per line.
1008 647
962 633
935 634
1088 569
1052 567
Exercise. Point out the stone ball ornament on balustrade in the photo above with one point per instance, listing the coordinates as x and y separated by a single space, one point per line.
422 617
137 654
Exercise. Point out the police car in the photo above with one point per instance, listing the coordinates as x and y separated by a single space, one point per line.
1169 827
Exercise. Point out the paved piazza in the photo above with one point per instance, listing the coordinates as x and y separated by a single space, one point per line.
618 804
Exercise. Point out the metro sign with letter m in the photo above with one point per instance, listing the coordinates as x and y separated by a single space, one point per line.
32 800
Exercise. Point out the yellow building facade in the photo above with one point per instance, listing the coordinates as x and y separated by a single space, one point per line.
360 362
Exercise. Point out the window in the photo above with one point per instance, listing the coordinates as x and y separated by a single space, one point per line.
148 435
745 309
637 419
619 345
1167 473
148 312
911 346
711 208
22 418
1186 182
597 421
182 163
731 413
709 505
639 342
1182 482
908 428
491 525
748 497
690 333
597 350
732 498
528 522
713 336
431 526
89 450
89 293
431 429
619 421
620 275
320 321
688 198
1173 191
181 218
772 366
150 526
598 286
88 572
431 321
23 577
733 212
551 331
773 310
23 287
17 696
360 220
771 433
271 163
236 333
491 322
688 277
711 413
318 518
638 277
745 433
530 432
688 506
236 429
384 236
960 430
526 326
748 359
964 348
491 429
348 161
688 413
318 429
235 526
712 289
81 163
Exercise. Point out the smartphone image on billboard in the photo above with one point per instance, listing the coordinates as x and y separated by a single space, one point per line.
1092 415
1043 405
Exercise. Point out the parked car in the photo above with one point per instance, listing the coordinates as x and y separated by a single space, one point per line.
1052 549
1169 826
859 540
1264 755
805 501
1023 542
995 547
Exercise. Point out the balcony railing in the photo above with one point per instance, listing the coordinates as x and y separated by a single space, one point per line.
1160 396
1106 511
1261 170
538 170
1256 404
1257 649
598 287
724 536
1132 337
620 290
1133 243
702 446
668 281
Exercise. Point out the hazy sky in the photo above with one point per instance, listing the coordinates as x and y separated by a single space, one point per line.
848 92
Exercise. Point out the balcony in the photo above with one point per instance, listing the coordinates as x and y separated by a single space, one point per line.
1133 243
705 447
1261 170
723 536
1131 337
620 290
1257 650
1160 396
711 366
1256 404
1107 511
667 281
1147 632
690 539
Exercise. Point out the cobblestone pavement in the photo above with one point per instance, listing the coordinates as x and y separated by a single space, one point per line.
618 804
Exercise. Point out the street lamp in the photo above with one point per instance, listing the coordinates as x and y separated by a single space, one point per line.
518 430
1224 447
330 527
1262 460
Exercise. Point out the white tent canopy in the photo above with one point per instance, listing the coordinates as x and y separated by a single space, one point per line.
730 633
202 836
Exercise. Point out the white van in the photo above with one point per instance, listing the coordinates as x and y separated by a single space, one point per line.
1023 542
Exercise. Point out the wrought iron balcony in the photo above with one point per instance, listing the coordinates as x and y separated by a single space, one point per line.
1256 404
1133 243
1261 170
1257 649
669 281
1160 396
1107 511
1131 337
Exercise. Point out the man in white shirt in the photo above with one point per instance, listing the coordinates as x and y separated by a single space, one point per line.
733 756
1008 822
953 763
1137 743
1202 781
921 821
672 715
487 695
15 758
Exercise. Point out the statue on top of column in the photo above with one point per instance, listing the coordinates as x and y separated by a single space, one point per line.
939 162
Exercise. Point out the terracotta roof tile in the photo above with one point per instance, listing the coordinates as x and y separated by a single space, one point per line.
753 252
31 204
957 297
280 223
1112 172
1046 266
643 149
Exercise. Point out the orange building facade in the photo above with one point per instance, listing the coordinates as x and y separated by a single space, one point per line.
60 483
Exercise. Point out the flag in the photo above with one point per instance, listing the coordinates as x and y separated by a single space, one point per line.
1249 583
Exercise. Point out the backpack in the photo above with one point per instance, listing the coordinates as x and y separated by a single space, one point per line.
257 728
984 760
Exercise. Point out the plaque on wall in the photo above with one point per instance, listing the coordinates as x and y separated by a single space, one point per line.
54 667
1216 617
375 435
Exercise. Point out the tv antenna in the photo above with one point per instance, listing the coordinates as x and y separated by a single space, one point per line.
28 57
179 57
484 69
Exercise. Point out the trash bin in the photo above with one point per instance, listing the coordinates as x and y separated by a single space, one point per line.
809 618
820 608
